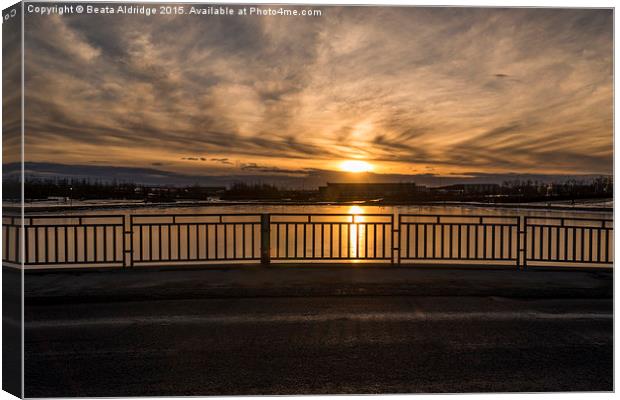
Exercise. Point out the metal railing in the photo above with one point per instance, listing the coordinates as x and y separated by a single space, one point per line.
194 238
459 238
569 240
84 239
331 237
153 239
11 234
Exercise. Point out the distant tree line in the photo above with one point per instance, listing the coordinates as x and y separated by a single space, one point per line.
37 189
509 191
85 189
597 187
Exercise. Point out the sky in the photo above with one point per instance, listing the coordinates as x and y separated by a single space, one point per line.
404 91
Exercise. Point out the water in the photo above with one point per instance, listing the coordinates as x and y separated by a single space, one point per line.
347 209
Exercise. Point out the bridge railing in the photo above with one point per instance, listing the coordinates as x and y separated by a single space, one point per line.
158 239
187 238
11 236
462 238
568 240
361 237
64 240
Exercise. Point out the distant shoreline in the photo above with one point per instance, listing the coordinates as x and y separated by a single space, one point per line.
112 206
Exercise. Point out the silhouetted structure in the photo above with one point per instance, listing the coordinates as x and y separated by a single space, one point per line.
368 191
471 188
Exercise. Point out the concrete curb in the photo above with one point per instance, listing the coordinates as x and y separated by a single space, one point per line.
143 285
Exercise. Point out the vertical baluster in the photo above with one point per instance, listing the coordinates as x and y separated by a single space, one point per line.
451 245
547 229
425 236
493 244
75 244
467 241
476 229
26 257
207 255
296 235
484 241
322 231
114 239
286 240
253 227
365 240
105 243
357 240
598 245
187 242
434 249
150 241
197 240
591 244
384 248
537 230
565 234
409 229
574 243
159 242
140 241
225 225
331 240
458 241
234 238
6 230
313 240
169 231
416 248
46 247
606 245
510 228
349 240
278 240
243 239
95 243
582 253
178 226
305 245
36 244
374 240
501 241
557 244
17 241
56 246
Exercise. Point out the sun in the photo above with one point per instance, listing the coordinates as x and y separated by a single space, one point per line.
355 166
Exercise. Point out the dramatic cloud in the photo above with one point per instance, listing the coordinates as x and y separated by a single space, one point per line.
409 90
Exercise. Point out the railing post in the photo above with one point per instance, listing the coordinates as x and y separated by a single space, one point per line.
127 241
522 243
265 238
396 243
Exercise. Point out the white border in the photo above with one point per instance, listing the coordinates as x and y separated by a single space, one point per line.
479 3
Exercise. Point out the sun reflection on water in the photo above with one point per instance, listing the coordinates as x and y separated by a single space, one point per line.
356 238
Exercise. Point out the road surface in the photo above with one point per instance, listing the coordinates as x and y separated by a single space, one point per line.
318 345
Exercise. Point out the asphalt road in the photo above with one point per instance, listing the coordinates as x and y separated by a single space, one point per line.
318 345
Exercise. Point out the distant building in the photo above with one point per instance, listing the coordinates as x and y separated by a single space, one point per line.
368 191
471 188
166 193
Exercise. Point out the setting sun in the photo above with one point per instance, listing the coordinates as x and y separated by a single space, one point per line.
355 166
